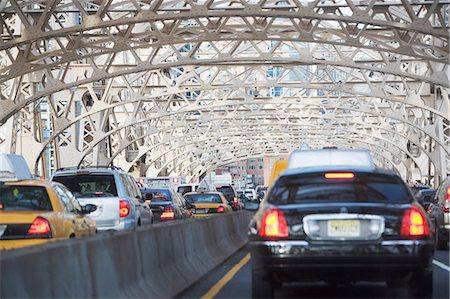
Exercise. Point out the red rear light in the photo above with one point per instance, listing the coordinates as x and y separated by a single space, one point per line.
446 204
220 209
339 175
168 213
414 223
40 227
124 208
274 224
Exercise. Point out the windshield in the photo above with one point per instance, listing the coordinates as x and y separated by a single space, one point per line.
158 195
28 198
363 188
89 185
203 198
227 191
184 189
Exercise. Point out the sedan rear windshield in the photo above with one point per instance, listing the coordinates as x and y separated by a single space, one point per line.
24 198
203 198
362 188
89 185
227 191
158 195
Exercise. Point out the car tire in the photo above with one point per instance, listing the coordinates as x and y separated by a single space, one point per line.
261 287
421 285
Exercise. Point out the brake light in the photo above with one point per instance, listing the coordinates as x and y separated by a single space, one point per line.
414 223
168 213
446 204
40 227
220 209
274 224
124 208
339 175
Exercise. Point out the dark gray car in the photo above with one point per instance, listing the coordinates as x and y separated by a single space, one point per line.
438 211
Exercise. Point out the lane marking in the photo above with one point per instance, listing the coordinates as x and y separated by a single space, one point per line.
224 280
442 265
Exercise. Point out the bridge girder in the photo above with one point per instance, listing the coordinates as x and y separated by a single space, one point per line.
160 59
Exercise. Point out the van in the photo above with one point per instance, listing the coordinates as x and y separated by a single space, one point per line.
330 157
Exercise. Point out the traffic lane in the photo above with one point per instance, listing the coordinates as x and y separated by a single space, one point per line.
240 284
442 256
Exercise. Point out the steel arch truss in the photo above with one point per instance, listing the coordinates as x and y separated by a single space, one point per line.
117 76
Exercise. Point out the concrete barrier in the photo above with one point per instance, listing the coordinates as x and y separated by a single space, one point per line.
156 262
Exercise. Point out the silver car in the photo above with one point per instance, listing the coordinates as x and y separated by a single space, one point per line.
120 205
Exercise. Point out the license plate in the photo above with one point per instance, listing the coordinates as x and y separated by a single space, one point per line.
343 228
200 211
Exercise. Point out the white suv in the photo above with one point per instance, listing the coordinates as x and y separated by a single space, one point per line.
120 205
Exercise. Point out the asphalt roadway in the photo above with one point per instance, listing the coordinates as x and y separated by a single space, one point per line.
232 279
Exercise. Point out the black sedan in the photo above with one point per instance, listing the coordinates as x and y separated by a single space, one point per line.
341 225
166 204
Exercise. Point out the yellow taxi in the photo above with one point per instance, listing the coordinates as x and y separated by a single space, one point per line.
36 211
207 203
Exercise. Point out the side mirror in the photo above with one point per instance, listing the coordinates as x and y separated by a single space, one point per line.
89 208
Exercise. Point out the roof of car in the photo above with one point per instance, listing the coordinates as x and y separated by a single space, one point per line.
202 192
155 189
99 169
36 182
331 168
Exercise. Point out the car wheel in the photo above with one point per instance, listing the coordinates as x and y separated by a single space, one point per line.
421 285
261 287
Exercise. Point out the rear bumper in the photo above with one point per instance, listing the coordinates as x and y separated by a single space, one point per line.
13 244
298 260
122 224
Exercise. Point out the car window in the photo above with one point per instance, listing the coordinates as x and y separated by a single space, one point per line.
65 199
26 198
227 191
184 189
159 195
89 185
129 188
177 199
72 198
363 188
203 198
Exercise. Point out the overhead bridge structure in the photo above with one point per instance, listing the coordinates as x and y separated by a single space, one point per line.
184 86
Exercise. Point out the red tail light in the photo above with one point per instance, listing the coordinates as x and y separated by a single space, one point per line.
414 223
168 213
124 208
40 227
274 224
220 209
446 204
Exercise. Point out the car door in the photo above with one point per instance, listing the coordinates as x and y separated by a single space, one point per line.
75 220
185 212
